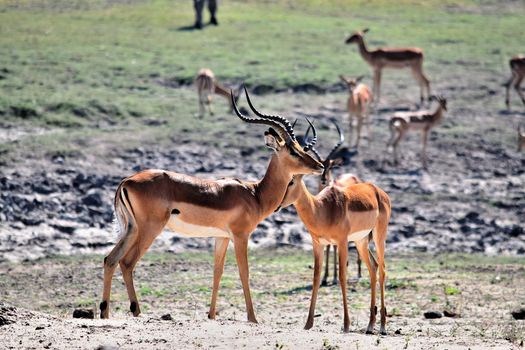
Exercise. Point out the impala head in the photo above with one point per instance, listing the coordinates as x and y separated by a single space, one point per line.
356 37
294 187
281 138
351 83
440 99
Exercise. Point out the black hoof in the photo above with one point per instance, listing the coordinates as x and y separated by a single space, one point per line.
369 332
213 21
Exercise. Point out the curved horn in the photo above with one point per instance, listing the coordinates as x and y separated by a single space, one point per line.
311 144
282 131
341 140
286 124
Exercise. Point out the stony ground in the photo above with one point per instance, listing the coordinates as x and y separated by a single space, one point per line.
174 292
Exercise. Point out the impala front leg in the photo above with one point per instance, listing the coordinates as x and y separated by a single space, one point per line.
241 253
343 257
324 282
221 247
318 263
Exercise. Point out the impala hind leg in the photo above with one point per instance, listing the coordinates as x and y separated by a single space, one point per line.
343 257
379 241
241 254
324 281
132 257
366 256
318 264
221 247
517 85
334 280
110 264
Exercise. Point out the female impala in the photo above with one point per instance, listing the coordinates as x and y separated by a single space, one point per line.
207 85
358 105
402 122
517 68
151 200
335 216
326 179
378 59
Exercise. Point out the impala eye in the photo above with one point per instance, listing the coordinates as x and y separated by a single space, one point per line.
291 183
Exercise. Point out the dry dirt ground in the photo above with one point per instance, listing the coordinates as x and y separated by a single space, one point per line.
481 292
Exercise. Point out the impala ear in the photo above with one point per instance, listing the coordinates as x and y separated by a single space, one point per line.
273 140
365 30
359 78
343 78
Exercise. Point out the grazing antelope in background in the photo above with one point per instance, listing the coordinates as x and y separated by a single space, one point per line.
358 105
207 85
521 139
517 68
403 57
230 209
402 122
335 216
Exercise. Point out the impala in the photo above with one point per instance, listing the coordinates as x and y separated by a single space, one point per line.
411 57
207 85
517 68
149 201
423 121
358 105
335 216
326 179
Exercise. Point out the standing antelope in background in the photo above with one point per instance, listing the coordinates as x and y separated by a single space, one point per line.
378 59
207 85
517 68
402 122
521 139
335 216
151 200
358 105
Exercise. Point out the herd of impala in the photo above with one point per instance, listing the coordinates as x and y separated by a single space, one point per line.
344 209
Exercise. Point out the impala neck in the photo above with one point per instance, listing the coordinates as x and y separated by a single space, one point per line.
306 206
223 91
271 189
363 50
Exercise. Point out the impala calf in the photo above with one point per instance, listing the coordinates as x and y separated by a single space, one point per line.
336 216
151 200
403 122
207 85
358 105
404 57
517 68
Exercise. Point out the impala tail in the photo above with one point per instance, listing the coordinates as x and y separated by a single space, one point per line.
123 218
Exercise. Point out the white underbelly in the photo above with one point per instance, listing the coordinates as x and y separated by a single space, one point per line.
359 235
354 237
190 230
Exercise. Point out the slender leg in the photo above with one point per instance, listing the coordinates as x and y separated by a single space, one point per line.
351 128
507 90
318 264
379 241
132 257
518 89
367 257
324 281
396 145
334 281
359 126
110 264
209 104
377 85
127 265
221 247
241 254
343 257
424 151
358 262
